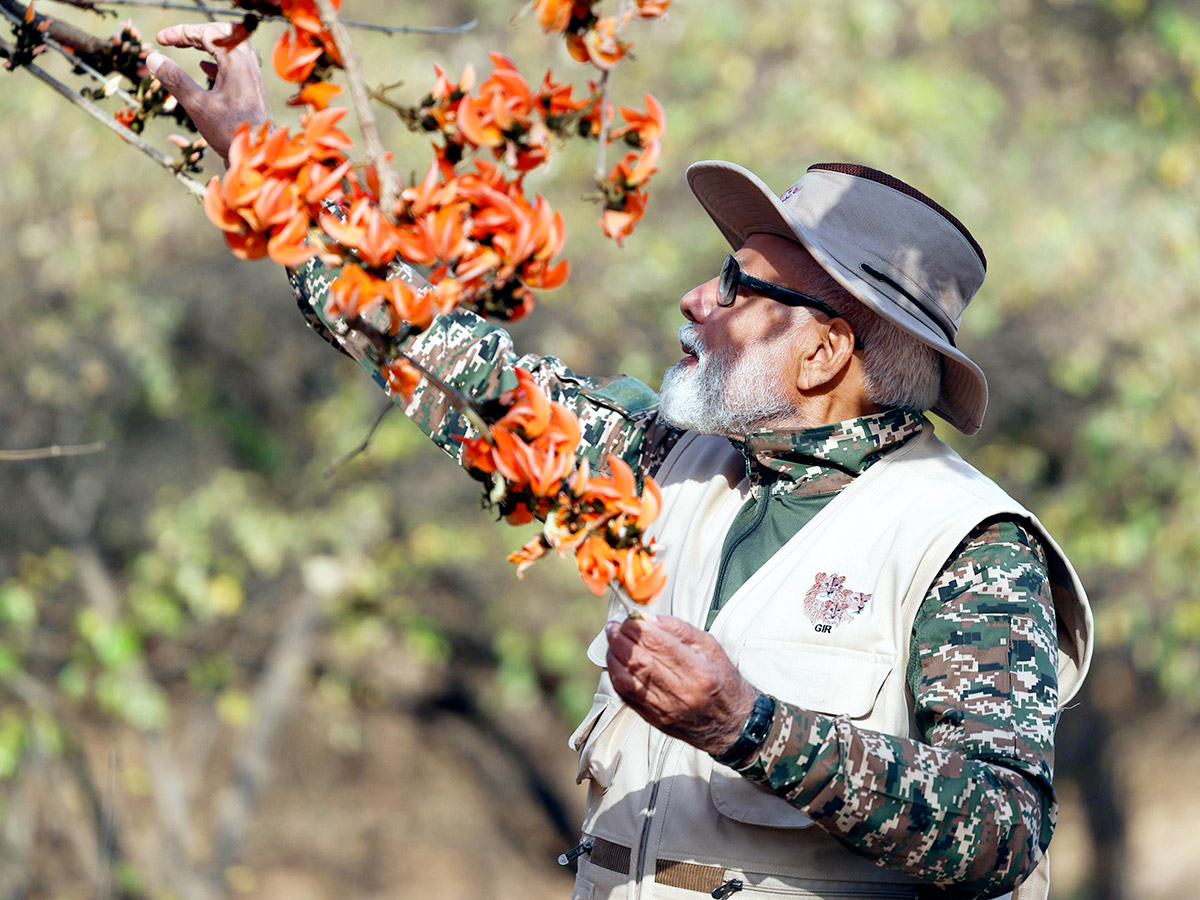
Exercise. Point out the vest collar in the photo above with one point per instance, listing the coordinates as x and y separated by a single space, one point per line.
825 458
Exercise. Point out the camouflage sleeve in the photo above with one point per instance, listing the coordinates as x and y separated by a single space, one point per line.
970 806
617 415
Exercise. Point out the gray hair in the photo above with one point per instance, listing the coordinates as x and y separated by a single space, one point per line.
899 370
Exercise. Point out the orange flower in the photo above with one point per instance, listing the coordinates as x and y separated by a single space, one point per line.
648 126
554 101
604 49
295 55
323 140
287 246
597 563
477 454
652 9
402 378
528 555
589 122
618 492
528 407
642 578
554 15
618 223
539 465
317 94
520 514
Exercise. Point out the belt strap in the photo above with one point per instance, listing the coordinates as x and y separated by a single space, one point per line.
608 855
688 876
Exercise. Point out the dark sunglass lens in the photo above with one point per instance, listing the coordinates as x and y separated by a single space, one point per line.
728 284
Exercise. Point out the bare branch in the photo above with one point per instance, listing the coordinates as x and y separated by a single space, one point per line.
366 441
89 5
389 184
172 166
213 12
86 45
52 452
601 169
76 60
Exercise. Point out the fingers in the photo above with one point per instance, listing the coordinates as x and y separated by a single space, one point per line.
197 35
174 79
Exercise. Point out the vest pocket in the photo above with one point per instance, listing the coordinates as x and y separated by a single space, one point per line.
599 738
831 680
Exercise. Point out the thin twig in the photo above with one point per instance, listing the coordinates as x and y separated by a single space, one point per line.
631 609
601 169
52 452
366 441
389 185
209 14
379 95
89 5
235 14
194 186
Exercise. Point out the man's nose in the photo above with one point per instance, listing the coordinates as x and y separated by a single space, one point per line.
698 303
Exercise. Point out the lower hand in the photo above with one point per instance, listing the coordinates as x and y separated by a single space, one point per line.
237 93
679 680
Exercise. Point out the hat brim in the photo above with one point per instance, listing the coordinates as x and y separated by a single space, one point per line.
740 205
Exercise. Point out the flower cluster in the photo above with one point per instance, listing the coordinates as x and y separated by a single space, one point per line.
591 38
624 191
528 461
481 241
505 115
275 186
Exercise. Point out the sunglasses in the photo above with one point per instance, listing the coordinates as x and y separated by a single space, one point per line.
733 278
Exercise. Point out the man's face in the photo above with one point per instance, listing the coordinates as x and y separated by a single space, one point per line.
737 374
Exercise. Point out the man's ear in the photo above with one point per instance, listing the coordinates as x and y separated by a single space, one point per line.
825 356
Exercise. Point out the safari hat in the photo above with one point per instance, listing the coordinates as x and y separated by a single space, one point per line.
896 250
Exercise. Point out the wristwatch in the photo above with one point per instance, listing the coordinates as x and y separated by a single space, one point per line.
754 732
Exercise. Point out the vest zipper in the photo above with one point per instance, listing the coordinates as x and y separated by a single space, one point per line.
644 841
721 571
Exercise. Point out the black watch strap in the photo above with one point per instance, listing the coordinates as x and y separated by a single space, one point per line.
754 732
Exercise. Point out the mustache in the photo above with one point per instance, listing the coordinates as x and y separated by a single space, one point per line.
690 340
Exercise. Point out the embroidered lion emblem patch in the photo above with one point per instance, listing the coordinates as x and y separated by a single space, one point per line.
828 604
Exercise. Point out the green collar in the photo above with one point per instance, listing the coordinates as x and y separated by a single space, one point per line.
826 458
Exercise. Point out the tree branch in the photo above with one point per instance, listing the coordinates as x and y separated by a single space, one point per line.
212 12
135 141
389 185
52 452
89 5
601 169
86 45
361 448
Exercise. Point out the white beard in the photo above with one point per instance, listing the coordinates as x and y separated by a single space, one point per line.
716 395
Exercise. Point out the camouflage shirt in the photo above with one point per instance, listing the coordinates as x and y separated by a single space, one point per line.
969 806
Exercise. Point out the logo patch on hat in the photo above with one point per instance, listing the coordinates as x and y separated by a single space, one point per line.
789 193
828 603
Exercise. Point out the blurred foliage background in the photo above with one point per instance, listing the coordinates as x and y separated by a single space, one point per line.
223 673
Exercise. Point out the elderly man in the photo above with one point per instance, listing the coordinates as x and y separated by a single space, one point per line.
852 683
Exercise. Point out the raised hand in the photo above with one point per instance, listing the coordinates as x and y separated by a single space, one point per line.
237 94
679 680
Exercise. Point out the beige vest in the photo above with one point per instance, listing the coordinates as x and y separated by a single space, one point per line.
889 533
